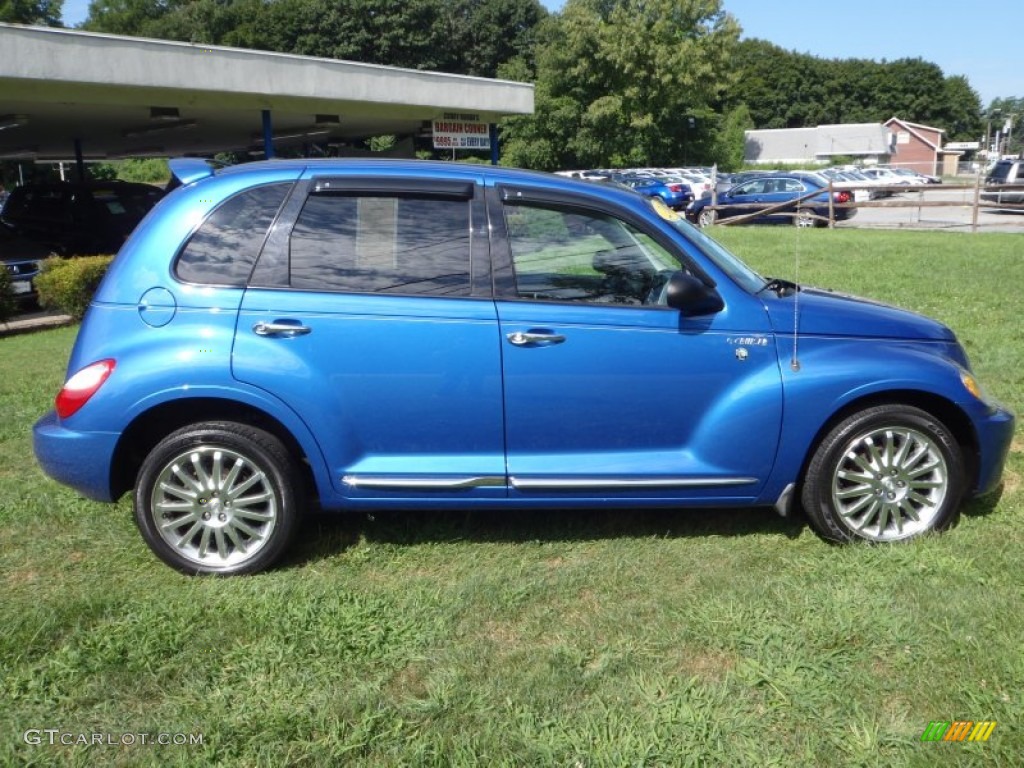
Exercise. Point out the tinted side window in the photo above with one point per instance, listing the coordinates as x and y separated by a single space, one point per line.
382 244
223 250
751 188
570 255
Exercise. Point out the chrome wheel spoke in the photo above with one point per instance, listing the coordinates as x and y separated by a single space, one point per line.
232 474
857 477
216 481
253 514
856 508
233 493
918 471
868 516
236 541
883 518
247 501
901 453
854 492
202 476
222 545
170 525
175 506
187 479
181 493
876 455
861 462
240 525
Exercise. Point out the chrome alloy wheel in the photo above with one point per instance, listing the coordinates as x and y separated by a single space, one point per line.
890 483
214 506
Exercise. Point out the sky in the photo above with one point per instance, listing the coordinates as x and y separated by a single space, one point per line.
979 41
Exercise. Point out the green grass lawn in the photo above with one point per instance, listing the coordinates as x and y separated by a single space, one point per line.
585 638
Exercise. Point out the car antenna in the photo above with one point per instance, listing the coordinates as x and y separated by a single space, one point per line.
794 362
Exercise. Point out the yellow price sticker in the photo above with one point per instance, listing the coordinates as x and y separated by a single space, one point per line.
663 210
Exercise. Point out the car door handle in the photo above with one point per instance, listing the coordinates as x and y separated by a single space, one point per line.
534 339
280 329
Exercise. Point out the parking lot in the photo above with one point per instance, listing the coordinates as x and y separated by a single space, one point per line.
956 215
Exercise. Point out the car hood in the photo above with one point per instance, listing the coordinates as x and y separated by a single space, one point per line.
826 313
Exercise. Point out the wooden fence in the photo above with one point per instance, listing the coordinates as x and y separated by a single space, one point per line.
797 208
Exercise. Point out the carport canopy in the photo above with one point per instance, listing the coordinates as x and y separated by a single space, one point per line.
112 96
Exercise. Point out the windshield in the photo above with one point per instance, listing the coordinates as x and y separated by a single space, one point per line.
747 278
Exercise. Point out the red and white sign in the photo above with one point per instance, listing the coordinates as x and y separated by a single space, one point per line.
461 131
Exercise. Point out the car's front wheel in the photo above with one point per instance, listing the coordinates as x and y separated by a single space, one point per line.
218 497
886 473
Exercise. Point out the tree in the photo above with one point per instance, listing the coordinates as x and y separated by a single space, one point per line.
42 12
625 82
963 110
731 142
127 17
462 36
785 89
998 113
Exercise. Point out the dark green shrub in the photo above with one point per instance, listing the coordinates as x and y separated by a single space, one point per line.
68 284
7 303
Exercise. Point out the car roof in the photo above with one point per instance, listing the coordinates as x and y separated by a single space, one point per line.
189 170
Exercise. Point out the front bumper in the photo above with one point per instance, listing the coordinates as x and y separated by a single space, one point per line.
81 460
995 432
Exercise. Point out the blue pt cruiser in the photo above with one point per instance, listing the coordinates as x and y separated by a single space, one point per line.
390 334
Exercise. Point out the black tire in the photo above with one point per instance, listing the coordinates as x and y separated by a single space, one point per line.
887 473
218 497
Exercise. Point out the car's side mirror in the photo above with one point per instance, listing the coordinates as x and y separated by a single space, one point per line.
691 296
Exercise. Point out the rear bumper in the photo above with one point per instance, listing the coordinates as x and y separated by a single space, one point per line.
77 459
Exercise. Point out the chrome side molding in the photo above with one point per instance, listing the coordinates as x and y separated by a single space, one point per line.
609 481
430 482
535 483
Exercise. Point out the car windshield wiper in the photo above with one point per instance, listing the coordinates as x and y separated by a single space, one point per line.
779 285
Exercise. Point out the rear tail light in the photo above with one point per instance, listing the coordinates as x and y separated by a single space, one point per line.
83 385
843 197
677 188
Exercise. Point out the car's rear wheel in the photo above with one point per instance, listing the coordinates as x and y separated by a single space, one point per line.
706 217
886 473
218 497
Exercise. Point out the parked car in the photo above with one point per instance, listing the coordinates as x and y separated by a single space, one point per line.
770 190
700 186
21 259
79 218
415 335
675 194
1005 172
886 179
861 189
913 176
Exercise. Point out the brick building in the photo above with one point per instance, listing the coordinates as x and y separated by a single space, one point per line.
915 146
